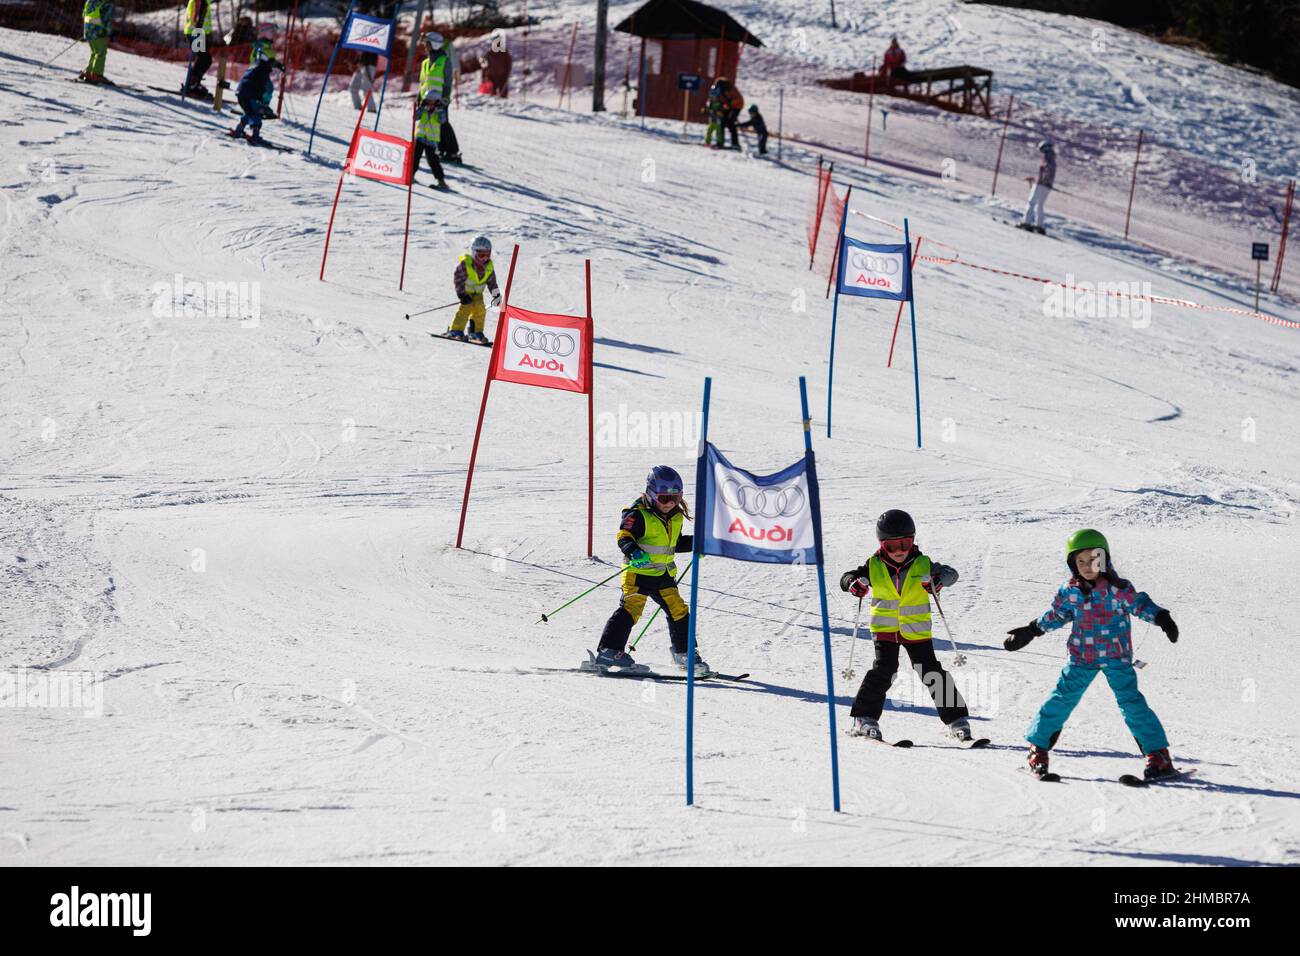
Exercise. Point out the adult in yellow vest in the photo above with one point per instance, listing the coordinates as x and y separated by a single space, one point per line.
474 273
650 535
434 90
198 34
96 28
899 580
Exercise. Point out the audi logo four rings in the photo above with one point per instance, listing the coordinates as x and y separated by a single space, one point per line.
763 502
878 264
552 343
383 151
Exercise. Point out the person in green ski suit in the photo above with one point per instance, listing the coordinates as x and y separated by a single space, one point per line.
97 26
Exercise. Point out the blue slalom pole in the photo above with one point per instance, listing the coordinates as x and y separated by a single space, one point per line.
328 70
911 301
821 591
388 67
835 308
701 516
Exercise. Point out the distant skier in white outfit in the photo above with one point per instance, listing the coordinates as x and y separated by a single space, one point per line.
363 82
1042 186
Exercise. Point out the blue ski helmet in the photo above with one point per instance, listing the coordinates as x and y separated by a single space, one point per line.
663 480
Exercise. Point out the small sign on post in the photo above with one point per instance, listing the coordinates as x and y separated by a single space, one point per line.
688 83
1258 252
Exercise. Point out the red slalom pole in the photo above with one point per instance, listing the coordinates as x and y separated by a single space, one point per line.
591 416
871 98
898 318
487 384
1133 185
288 59
347 164
410 181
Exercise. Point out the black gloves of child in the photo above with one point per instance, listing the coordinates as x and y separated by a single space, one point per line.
1020 636
465 298
859 587
1166 624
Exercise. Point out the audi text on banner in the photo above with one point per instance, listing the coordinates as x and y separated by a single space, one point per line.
767 518
367 34
541 349
876 271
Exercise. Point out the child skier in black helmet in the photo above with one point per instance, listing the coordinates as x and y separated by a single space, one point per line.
900 580
649 535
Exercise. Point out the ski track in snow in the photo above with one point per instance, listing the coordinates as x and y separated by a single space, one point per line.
244 529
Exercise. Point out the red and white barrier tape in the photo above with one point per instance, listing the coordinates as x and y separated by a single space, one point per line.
1161 299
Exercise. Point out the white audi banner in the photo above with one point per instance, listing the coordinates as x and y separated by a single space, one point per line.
535 348
367 34
876 271
767 518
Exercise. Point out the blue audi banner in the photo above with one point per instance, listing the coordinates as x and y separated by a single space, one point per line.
767 518
875 271
367 34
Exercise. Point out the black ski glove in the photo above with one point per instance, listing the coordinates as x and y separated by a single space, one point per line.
465 298
1166 624
1021 636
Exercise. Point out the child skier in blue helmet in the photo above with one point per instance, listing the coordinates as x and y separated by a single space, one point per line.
1097 603
650 535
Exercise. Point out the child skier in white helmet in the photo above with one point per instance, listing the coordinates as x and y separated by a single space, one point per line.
474 273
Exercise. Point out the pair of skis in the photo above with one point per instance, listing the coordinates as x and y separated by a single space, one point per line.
589 666
974 744
1128 779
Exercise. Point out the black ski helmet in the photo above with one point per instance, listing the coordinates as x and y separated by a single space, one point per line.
895 524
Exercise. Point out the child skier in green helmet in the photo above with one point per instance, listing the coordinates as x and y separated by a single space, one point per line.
1097 603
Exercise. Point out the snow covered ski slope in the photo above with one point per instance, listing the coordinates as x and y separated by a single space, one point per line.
234 514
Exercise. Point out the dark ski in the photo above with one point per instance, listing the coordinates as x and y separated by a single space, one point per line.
444 335
1131 781
1048 777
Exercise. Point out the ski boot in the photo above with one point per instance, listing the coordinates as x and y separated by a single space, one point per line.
1159 765
478 338
701 668
1040 230
866 727
960 730
610 658
237 132
440 185
1038 761
1025 226
456 334
256 138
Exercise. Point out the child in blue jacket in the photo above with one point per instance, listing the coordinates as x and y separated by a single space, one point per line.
253 87
1097 603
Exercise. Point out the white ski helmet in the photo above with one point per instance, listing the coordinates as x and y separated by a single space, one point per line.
481 244
266 31
433 39
1046 146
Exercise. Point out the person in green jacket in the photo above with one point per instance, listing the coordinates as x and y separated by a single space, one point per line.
97 27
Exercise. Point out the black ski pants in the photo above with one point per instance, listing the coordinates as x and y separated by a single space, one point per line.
875 686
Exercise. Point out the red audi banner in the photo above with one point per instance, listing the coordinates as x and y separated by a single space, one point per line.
549 351
540 349
380 156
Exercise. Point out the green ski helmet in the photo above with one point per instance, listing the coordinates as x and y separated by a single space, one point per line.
1084 539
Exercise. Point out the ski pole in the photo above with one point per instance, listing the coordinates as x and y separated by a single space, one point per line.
848 671
436 308
957 659
60 53
656 611
547 617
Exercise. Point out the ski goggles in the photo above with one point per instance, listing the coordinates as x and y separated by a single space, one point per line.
897 544
667 497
